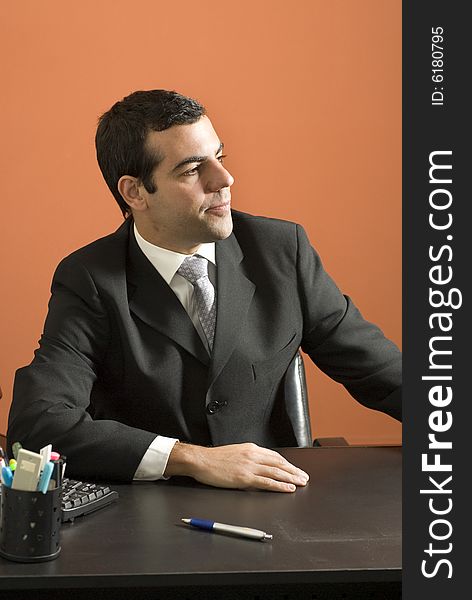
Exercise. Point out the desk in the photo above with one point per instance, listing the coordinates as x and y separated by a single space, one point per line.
343 528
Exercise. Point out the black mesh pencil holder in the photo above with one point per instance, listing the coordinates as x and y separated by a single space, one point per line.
30 525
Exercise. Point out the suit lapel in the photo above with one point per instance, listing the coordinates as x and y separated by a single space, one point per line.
153 301
234 296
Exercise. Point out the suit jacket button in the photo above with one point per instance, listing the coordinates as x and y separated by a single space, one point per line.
214 406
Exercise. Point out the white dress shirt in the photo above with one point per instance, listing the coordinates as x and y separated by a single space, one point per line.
167 263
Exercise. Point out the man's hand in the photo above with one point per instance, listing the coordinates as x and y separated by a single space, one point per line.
242 466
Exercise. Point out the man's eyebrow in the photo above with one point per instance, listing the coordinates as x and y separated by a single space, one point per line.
195 159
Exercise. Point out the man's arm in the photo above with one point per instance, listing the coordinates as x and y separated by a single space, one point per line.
52 394
341 342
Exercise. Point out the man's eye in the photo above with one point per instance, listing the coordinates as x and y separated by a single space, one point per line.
196 169
193 171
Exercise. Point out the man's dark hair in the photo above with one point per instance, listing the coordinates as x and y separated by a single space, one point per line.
122 131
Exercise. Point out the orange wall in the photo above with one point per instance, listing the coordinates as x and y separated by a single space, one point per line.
306 96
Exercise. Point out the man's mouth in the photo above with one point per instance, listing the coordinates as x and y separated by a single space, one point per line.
220 208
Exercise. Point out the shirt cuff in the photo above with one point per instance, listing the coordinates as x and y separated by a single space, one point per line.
154 462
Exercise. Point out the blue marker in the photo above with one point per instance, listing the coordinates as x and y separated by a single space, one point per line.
45 477
7 476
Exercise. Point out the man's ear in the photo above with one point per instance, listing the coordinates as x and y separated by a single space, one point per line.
131 191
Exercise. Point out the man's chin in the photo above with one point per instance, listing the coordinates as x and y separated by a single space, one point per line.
220 227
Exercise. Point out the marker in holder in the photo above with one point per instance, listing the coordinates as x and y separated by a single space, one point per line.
30 524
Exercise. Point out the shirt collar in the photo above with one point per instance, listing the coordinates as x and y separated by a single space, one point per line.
167 262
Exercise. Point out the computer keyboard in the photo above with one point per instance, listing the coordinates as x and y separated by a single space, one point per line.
80 498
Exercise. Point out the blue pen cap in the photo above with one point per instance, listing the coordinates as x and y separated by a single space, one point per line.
7 476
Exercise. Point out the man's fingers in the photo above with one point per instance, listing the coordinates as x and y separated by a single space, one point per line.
266 483
283 476
289 468
275 459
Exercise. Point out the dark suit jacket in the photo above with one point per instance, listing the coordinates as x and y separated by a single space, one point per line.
120 359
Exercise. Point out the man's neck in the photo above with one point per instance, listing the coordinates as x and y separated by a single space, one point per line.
152 237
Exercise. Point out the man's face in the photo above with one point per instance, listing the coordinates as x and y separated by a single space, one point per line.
192 203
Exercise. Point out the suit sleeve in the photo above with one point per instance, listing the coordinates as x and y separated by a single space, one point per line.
341 342
52 394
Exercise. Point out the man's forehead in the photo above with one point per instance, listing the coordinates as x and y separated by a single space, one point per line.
178 141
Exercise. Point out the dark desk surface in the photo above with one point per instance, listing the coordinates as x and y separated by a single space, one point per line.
344 526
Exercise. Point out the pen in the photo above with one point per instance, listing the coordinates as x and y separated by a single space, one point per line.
63 458
3 456
246 532
56 477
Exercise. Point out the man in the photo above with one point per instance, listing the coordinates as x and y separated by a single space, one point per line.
181 325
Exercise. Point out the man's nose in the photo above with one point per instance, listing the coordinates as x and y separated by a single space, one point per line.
219 178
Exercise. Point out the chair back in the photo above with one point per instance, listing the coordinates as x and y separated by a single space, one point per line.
296 402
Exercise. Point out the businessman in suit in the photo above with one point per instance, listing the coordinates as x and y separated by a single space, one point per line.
166 343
